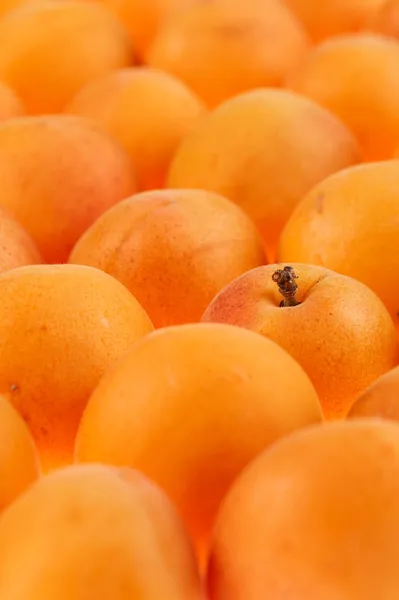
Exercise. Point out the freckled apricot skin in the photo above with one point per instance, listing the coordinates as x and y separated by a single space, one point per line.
340 333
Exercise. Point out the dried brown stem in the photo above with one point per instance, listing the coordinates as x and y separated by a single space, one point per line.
285 279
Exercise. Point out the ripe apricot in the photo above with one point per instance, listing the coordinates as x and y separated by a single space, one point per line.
264 150
143 18
221 50
349 223
380 399
340 332
49 50
149 112
61 327
315 517
10 104
17 249
19 462
356 77
190 406
386 21
58 174
331 17
173 249
95 532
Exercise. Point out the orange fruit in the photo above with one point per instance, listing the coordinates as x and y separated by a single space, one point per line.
331 17
349 223
10 104
221 50
149 112
315 517
61 327
58 174
19 463
356 77
386 21
95 532
173 249
340 332
190 406
380 399
49 50
143 19
264 150
16 247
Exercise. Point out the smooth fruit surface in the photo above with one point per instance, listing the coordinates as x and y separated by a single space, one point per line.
17 249
340 333
190 406
173 249
356 77
19 461
58 174
61 327
380 399
315 517
350 223
264 150
149 112
95 532
49 50
223 49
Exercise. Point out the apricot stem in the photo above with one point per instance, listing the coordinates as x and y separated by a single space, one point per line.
285 279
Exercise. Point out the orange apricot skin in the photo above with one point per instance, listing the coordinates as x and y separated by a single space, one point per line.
340 333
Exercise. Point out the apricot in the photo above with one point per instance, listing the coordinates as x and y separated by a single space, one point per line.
49 50
149 112
349 223
19 462
173 249
264 150
331 17
337 329
17 249
380 399
58 174
315 517
190 406
222 49
356 77
143 18
10 105
61 328
95 532
386 21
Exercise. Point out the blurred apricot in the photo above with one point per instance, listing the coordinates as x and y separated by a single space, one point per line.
264 150
143 18
190 406
356 77
349 223
149 112
340 332
95 532
16 247
386 21
380 399
10 104
49 50
61 327
58 174
315 517
19 462
173 249
325 18
221 50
